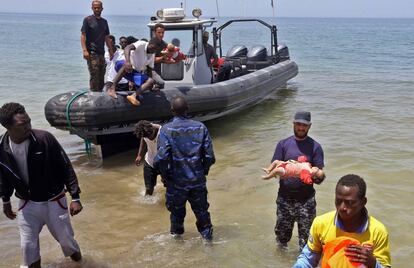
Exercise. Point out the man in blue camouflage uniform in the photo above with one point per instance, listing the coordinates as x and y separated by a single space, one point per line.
296 200
185 154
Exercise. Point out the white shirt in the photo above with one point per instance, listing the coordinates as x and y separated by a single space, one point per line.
151 148
110 67
20 152
139 57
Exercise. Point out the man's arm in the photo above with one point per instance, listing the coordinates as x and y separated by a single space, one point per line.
84 47
141 152
208 153
318 161
110 46
278 154
62 162
127 53
307 258
162 160
215 57
5 193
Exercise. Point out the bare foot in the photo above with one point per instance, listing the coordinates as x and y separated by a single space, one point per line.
267 176
133 100
112 93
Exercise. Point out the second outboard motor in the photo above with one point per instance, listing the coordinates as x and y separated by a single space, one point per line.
257 53
283 52
237 51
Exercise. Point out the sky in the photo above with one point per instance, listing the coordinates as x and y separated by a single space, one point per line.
240 8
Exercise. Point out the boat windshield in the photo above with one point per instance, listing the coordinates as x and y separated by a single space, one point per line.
184 40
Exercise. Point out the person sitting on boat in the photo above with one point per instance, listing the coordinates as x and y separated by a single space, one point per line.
300 169
172 54
110 67
123 84
148 133
137 68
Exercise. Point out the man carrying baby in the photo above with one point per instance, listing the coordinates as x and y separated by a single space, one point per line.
296 199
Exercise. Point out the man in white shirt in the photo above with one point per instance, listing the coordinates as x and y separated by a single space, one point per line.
148 133
137 68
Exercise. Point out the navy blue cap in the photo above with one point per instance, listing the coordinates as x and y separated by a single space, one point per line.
302 117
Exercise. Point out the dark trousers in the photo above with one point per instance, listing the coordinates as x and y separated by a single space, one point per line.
150 176
290 211
175 202
97 68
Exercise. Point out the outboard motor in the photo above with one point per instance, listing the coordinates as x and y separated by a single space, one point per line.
283 52
257 53
237 51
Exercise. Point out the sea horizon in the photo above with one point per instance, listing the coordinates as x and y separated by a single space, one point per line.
206 16
356 77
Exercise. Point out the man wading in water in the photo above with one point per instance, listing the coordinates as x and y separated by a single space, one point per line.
35 167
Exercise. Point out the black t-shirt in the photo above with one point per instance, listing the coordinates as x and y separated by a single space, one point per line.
159 46
96 30
210 53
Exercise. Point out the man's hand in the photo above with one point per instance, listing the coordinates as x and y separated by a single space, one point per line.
138 160
361 254
75 207
7 209
85 54
128 67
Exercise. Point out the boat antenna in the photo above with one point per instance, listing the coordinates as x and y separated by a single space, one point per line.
217 7
273 8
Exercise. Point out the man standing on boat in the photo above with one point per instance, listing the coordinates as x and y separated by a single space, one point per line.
160 45
296 200
185 155
209 50
35 167
94 33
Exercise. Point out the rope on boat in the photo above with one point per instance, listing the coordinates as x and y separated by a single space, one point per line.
88 147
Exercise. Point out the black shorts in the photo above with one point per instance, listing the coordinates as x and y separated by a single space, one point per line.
150 176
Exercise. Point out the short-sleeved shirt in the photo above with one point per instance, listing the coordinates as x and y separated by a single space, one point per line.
140 59
96 30
210 53
328 227
290 149
160 45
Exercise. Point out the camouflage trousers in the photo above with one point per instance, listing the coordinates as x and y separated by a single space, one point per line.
97 68
290 211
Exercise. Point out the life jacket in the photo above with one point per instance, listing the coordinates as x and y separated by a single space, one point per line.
334 254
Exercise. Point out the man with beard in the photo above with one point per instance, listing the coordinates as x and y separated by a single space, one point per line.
296 200
94 33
